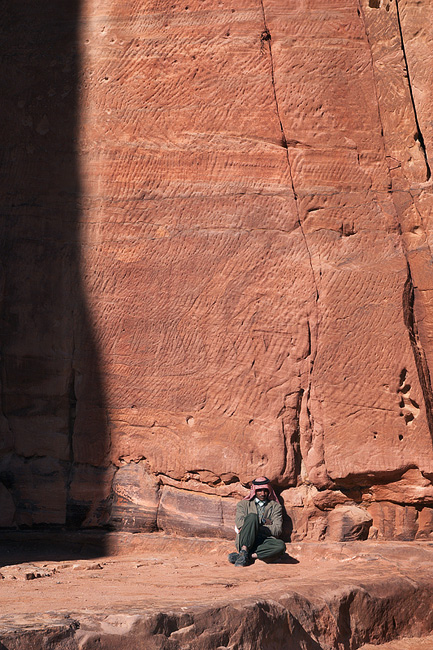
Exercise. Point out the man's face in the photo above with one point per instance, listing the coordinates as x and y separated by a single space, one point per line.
262 494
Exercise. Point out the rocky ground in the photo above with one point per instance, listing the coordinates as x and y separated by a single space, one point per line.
153 591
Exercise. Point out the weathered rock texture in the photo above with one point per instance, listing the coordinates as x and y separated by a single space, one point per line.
218 265
186 596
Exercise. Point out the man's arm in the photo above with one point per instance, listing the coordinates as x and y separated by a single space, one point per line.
241 513
274 520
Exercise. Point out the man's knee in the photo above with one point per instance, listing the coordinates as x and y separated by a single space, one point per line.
280 546
251 518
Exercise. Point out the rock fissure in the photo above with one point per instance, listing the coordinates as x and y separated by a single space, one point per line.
409 288
284 142
285 448
379 115
418 135
422 228
363 406
296 438
417 349
266 37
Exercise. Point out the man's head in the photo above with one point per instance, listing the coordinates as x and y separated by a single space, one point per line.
262 494
261 487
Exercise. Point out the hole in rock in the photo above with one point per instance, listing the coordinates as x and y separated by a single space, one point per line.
409 417
375 434
347 230
229 478
374 4
403 376
190 421
400 437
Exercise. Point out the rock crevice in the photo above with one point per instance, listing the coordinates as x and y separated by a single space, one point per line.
418 135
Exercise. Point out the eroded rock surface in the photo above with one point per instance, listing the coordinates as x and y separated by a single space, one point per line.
218 265
175 594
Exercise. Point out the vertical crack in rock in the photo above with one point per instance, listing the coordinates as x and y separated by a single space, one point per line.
285 448
419 135
421 221
408 291
296 438
361 14
417 349
158 508
266 37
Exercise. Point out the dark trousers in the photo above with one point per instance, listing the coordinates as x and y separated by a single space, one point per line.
257 541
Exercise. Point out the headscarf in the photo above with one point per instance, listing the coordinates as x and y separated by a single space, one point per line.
261 483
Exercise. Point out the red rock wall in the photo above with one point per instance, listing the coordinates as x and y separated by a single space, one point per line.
253 250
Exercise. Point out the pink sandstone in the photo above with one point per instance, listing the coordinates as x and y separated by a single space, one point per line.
239 279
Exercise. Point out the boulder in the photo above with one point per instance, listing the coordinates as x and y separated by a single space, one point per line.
394 521
196 515
135 499
348 523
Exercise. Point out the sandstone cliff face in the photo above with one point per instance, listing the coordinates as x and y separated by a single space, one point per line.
249 282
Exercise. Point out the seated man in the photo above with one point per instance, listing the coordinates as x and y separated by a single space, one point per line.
259 521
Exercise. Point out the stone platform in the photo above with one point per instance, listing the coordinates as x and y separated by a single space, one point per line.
169 593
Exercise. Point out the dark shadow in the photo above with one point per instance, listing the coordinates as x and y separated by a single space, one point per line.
49 546
300 638
53 432
287 526
285 558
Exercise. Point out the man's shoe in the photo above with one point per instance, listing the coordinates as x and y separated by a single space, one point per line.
243 559
233 557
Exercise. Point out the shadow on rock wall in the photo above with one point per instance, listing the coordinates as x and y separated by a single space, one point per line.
53 423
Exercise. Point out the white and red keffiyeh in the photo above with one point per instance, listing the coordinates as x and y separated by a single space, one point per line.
261 483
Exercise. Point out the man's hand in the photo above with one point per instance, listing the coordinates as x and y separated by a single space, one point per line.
267 522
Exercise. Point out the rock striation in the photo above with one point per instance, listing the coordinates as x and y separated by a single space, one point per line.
217 264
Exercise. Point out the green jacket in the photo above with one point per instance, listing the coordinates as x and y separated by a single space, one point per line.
273 511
